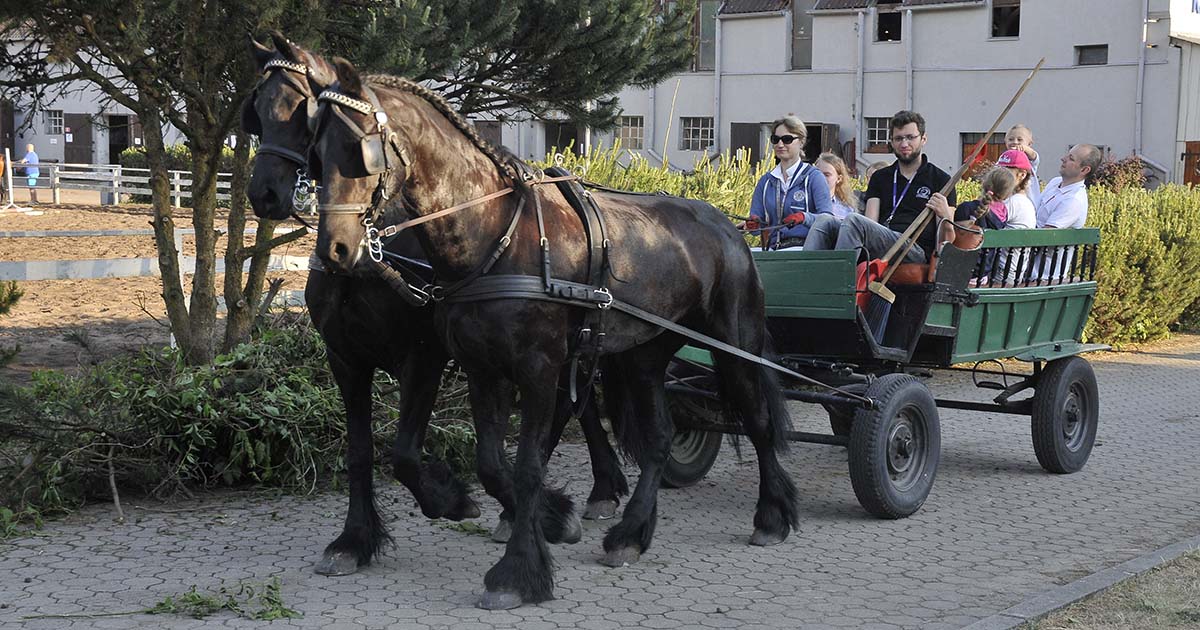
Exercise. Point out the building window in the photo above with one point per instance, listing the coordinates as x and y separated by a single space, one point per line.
887 21
633 132
802 34
1091 55
990 153
878 135
1006 18
54 121
696 134
706 35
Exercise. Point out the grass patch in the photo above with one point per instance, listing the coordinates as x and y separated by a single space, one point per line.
1165 597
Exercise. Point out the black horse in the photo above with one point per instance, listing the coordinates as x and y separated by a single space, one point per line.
367 326
389 142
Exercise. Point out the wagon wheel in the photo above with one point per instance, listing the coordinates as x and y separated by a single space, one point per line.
693 451
895 449
1066 412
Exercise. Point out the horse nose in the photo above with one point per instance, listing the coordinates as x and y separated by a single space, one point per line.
341 255
264 201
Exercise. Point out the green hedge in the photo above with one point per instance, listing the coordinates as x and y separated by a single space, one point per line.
1150 240
179 158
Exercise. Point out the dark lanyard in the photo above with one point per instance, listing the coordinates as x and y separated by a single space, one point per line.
896 200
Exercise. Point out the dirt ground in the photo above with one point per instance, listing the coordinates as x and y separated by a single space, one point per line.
70 324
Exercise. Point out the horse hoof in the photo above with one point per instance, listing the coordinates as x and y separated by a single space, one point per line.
499 600
600 510
572 531
337 563
502 532
621 557
764 538
467 509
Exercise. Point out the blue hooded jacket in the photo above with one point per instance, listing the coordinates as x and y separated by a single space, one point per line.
808 193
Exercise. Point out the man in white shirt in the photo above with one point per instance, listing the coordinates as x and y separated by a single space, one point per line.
1064 202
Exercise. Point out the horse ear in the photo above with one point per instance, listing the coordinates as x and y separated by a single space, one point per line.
347 76
321 75
262 54
290 51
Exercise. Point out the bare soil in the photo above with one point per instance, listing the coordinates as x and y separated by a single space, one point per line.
71 324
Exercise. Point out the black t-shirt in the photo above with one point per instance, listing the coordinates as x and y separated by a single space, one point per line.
928 180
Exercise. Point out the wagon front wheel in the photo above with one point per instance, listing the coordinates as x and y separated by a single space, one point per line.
693 451
1066 412
895 448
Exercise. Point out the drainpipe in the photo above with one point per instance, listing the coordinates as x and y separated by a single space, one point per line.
860 86
1141 82
907 34
648 136
717 84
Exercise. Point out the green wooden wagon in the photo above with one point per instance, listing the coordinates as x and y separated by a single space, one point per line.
1024 294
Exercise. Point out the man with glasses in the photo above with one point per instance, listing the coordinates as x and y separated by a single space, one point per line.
896 195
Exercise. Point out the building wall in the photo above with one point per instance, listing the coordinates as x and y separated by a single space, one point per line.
961 79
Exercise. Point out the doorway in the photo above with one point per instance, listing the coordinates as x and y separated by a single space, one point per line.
77 132
118 137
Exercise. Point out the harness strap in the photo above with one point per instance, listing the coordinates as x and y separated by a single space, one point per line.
487 265
283 152
572 293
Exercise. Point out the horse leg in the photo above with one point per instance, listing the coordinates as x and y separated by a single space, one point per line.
608 482
751 396
439 493
639 399
525 573
364 533
559 523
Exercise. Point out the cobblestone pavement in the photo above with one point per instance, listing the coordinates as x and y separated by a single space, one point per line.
996 531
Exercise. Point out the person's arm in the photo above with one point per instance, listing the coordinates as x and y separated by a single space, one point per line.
757 212
871 208
941 206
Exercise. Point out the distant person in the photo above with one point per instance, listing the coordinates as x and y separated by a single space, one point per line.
31 172
1020 137
787 200
3 180
837 177
862 194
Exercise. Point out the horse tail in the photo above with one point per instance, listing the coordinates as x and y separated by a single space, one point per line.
617 403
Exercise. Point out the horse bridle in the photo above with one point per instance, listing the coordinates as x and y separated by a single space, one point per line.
304 191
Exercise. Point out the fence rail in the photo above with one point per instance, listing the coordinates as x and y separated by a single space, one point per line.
115 180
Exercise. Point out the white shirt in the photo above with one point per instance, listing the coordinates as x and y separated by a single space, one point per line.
786 178
1063 206
1035 186
1020 212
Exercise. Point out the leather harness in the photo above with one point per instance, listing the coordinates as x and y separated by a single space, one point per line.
479 285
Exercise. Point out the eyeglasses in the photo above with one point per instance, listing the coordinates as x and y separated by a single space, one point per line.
902 139
785 139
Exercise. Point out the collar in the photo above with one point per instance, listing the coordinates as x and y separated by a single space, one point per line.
1071 187
777 172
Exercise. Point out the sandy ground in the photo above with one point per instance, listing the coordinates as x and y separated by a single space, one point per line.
70 324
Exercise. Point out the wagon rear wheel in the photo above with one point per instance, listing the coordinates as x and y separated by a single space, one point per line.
895 448
1066 413
693 451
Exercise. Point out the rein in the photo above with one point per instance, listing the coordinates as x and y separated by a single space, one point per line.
477 286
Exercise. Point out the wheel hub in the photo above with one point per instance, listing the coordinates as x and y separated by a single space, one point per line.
901 448
1073 421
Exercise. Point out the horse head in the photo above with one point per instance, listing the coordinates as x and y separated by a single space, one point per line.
278 112
358 158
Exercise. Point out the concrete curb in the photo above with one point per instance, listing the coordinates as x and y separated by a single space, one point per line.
1067 594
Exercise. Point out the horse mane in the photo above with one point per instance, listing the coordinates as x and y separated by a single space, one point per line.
505 160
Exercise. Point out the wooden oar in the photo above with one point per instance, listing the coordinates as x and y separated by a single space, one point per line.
909 237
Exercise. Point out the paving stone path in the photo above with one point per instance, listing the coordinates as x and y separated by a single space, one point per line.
996 531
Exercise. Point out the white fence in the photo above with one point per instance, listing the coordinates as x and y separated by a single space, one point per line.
114 181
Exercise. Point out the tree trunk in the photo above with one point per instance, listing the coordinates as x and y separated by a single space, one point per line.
164 228
241 303
205 160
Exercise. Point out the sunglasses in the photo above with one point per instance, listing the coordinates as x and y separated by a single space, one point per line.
785 139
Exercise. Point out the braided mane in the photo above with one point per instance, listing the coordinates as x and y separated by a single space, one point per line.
503 159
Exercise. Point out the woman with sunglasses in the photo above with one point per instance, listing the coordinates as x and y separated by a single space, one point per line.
787 199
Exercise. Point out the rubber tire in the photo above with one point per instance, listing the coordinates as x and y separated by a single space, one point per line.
693 452
905 406
1063 384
